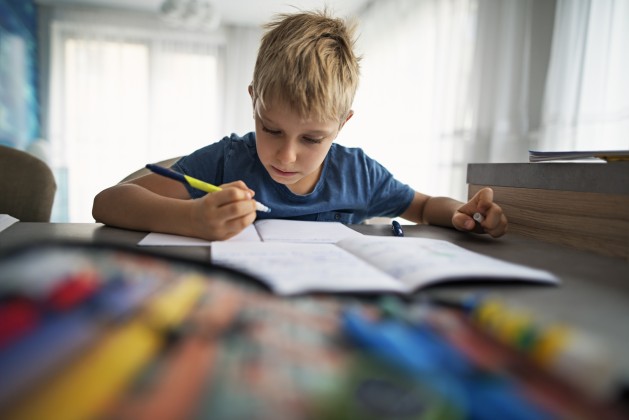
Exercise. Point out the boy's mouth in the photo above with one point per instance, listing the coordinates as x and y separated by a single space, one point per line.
282 173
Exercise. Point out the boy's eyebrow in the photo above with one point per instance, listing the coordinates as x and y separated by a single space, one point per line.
315 132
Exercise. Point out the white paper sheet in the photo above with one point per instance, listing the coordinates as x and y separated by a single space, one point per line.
269 230
165 239
6 220
275 230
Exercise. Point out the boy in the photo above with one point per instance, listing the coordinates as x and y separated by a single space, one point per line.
304 81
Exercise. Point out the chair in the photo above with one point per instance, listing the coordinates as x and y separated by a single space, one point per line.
27 186
167 163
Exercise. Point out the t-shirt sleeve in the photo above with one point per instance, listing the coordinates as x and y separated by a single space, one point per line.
389 196
206 164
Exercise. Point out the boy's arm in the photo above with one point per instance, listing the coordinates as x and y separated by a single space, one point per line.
445 211
157 204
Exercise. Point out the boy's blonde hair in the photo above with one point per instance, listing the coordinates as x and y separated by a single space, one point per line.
307 60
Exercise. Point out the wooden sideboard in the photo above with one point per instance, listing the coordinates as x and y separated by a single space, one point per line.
581 205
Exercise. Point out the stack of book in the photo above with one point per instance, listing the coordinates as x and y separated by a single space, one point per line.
596 155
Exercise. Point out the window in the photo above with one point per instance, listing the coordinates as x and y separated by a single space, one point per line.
119 102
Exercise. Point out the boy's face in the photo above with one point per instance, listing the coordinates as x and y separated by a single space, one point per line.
292 149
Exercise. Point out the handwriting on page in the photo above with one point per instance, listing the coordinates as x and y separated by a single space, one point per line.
293 267
420 261
400 259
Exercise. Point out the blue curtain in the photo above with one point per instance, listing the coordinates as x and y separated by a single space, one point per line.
19 102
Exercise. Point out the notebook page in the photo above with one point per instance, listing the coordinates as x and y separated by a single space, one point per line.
249 234
290 268
277 230
418 262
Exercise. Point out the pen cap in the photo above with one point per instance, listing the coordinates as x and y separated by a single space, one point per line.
479 217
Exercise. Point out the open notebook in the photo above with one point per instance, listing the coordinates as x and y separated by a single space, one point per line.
367 264
294 257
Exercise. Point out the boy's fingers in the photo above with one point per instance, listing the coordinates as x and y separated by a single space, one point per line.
499 227
229 195
238 184
230 207
484 198
481 202
238 216
495 223
222 217
236 225
462 221
237 209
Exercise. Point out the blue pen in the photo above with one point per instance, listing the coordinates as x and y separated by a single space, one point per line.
194 183
396 229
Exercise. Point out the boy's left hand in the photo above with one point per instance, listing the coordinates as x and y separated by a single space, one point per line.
495 222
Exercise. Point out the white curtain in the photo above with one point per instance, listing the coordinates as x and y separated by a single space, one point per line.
451 82
587 91
500 84
445 83
240 58
123 95
409 110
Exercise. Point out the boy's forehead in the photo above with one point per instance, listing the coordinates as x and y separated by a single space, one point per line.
279 110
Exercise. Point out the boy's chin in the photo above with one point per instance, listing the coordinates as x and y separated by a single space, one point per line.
291 183
285 181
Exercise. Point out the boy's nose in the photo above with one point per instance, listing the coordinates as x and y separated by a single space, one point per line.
287 153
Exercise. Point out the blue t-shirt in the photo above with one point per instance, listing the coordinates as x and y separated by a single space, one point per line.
351 189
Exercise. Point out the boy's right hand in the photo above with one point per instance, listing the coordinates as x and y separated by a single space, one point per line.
223 214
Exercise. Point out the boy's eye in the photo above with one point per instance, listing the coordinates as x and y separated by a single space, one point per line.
268 130
312 141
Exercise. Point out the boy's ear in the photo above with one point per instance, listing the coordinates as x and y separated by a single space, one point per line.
350 114
250 90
